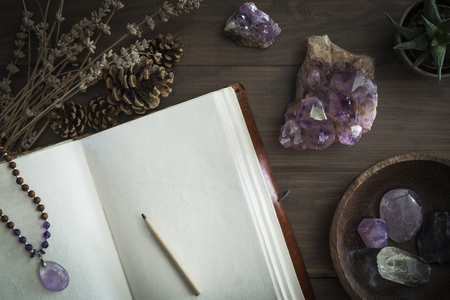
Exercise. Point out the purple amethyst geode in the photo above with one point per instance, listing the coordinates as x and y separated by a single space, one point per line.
251 27
336 98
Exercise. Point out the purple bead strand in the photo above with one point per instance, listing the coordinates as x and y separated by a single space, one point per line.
46 224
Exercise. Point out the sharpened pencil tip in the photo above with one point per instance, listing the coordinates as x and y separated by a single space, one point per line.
144 217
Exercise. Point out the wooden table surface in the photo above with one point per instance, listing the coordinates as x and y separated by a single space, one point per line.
413 112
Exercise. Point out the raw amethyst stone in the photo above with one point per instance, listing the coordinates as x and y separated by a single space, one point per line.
312 114
251 27
342 80
403 213
433 238
349 135
334 89
54 276
344 108
374 233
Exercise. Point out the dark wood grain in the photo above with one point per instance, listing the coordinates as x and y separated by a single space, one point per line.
413 113
428 176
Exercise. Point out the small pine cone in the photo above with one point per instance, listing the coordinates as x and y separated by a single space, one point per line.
138 88
166 51
69 120
101 114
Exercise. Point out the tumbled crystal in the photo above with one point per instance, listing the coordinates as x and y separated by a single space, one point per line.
402 267
342 83
373 232
54 276
433 238
251 27
403 213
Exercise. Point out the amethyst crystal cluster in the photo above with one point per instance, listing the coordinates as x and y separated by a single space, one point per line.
251 27
336 96
337 100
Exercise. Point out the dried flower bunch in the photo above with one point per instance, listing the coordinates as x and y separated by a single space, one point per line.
49 83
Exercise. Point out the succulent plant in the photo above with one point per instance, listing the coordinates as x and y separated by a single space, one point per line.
432 39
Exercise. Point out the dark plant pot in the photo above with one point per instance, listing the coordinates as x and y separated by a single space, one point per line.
404 57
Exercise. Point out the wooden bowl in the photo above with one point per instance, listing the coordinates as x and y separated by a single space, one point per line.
355 264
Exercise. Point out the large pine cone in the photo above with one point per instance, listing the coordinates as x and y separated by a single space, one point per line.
69 120
101 114
138 88
166 51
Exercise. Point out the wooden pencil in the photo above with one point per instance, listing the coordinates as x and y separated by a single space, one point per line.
181 269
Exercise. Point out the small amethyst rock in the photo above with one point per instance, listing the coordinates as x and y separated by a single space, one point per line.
403 213
433 238
334 89
251 27
374 233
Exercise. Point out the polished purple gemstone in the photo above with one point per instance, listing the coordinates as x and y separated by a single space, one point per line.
251 27
344 108
44 244
433 238
29 247
46 225
403 213
47 234
42 251
16 232
374 233
54 276
22 240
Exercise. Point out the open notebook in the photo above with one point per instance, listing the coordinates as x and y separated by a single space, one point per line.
193 170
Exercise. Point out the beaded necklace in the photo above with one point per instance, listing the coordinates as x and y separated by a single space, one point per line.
53 276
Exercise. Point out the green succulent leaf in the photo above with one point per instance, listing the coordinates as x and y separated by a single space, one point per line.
444 38
421 43
406 32
422 56
445 26
434 42
431 12
438 53
431 29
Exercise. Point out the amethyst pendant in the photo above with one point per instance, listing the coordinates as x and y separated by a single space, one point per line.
54 276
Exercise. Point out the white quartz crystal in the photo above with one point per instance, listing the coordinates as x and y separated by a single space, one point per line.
402 267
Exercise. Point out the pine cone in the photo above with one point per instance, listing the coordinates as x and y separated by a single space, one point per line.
101 114
138 88
69 120
166 51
